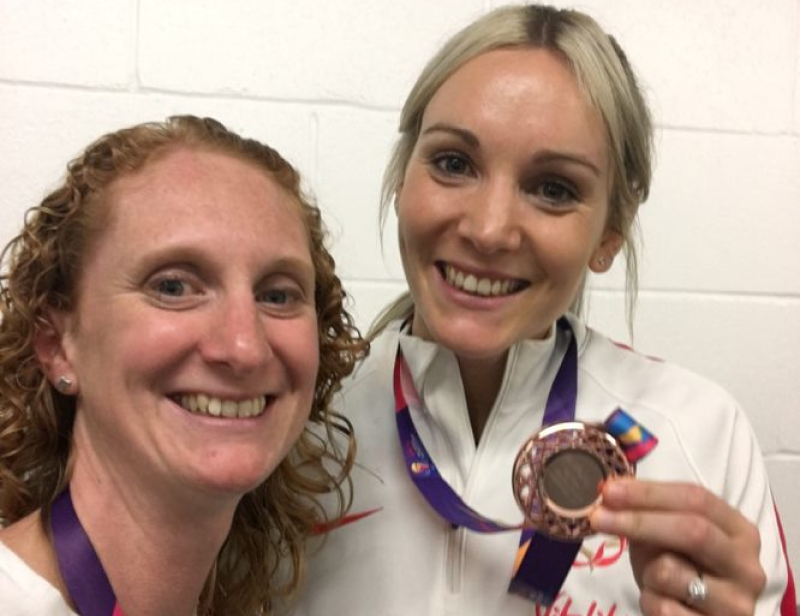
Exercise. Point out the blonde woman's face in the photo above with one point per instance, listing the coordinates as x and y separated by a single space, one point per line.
504 202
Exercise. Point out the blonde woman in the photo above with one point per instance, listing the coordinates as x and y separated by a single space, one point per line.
524 154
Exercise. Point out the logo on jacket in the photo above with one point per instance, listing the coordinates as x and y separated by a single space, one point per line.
609 551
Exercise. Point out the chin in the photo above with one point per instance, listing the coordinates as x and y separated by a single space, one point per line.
236 477
470 334
234 486
476 346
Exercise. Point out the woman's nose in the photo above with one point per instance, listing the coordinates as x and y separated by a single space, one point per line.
237 335
490 219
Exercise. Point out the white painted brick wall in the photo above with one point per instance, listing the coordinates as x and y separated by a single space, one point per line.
323 81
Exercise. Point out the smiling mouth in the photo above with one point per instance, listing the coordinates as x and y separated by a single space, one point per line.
483 287
203 404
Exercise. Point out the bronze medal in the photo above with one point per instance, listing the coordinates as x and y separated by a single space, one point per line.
559 474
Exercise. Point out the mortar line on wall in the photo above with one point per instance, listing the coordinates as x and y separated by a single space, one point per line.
795 95
653 293
232 96
219 96
733 132
315 147
748 295
137 82
376 282
52 85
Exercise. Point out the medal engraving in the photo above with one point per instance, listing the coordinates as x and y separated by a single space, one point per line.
559 474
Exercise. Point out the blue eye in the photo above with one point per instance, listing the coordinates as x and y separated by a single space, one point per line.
171 287
556 192
452 164
175 289
274 296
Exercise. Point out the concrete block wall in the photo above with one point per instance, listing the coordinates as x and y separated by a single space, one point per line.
323 82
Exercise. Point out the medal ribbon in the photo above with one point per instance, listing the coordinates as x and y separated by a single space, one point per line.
80 567
542 562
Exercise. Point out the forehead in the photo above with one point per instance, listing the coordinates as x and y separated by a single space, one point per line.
535 88
205 191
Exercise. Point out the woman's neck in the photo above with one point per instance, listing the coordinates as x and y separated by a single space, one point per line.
156 551
481 380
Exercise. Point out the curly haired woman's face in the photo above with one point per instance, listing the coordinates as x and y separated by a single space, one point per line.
194 340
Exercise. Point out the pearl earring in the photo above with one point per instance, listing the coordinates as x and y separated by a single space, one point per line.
64 384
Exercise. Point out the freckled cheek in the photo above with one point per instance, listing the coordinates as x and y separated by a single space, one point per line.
134 340
299 348
166 339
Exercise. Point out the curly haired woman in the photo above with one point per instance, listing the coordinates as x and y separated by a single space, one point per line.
172 335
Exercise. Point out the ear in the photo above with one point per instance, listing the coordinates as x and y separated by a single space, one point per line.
49 346
397 191
608 248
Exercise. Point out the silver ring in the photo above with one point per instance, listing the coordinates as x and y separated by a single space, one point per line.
697 591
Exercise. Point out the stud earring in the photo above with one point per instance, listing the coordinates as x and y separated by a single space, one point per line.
64 384
601 261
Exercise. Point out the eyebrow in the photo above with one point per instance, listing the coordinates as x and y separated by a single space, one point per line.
465 135
548 156
180 255
296 266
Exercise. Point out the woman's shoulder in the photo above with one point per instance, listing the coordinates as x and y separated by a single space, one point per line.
647 380
685 410
379 361
24 592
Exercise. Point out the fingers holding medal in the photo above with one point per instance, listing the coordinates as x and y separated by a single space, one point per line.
691 552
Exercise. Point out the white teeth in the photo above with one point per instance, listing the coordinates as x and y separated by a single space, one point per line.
203 404
230 408
477 286
470 284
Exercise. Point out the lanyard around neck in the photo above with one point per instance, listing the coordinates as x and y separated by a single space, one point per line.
422 469
542 562
80 567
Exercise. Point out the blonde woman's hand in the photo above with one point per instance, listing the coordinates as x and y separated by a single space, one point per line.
682 536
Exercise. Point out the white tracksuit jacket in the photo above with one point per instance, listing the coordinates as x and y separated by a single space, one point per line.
406 560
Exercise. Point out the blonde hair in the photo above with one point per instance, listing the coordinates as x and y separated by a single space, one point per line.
42 268
604 74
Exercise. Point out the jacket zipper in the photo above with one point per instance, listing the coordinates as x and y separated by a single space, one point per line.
456 538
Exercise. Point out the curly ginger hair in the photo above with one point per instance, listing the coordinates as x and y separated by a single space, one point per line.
41 270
